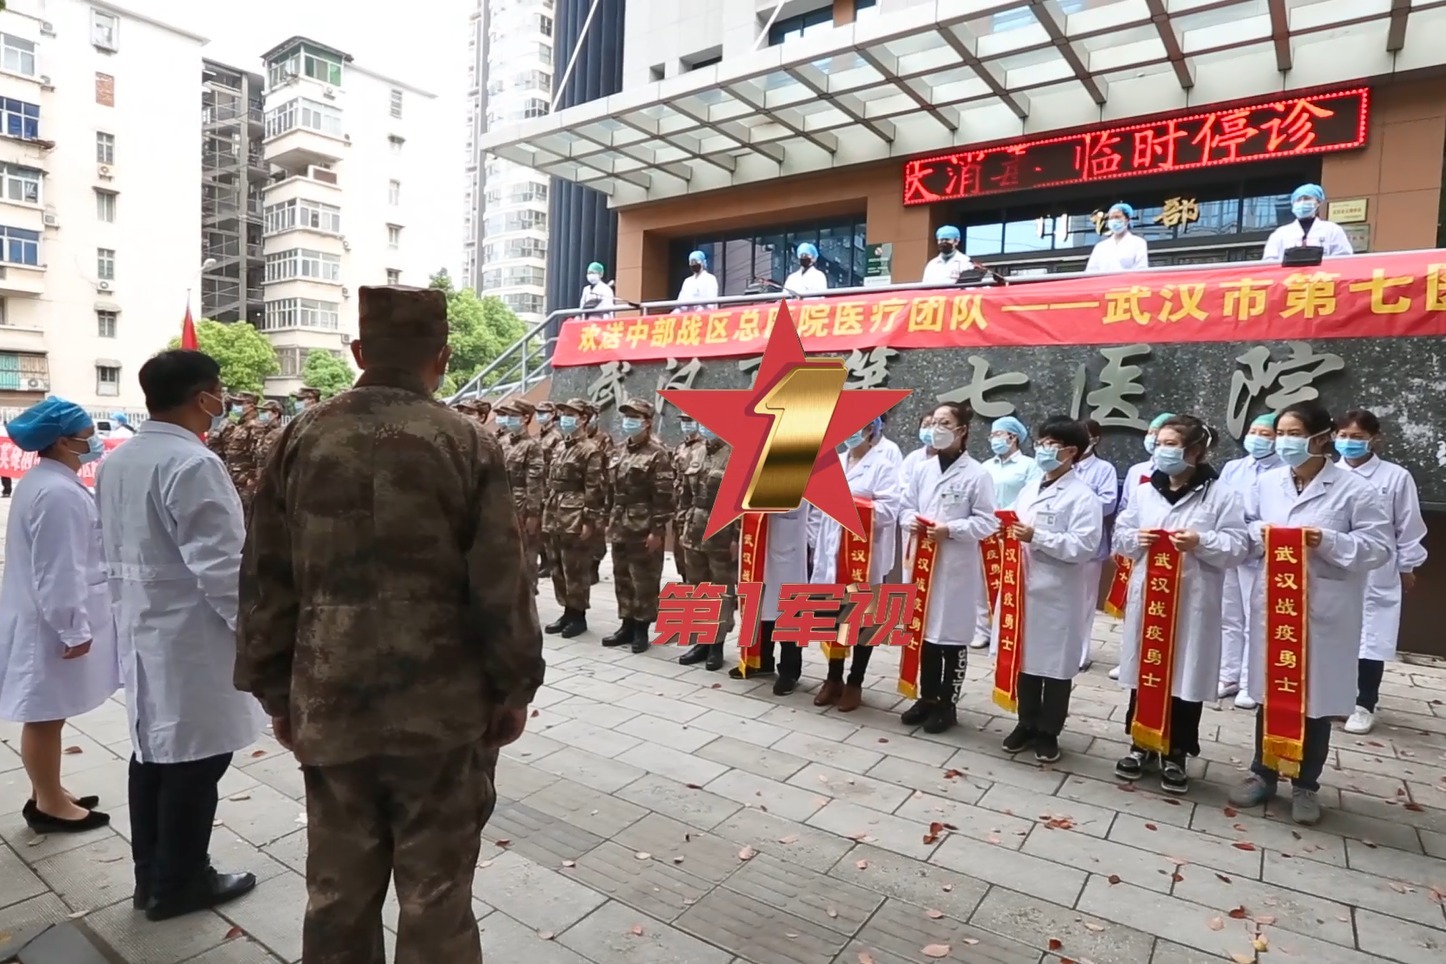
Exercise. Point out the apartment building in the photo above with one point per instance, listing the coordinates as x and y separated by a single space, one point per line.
510 72
234 175
352 200
100 205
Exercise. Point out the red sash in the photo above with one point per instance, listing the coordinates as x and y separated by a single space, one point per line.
921 573
1161 602
1010 658
991 553
855 557
1120 586
752 555
1287 646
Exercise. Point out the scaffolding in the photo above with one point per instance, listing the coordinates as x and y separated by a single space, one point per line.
234 174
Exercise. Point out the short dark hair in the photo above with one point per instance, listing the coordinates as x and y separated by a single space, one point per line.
1066 430
963 411
1361 418
1194 432
1312 414
1093 428
172 378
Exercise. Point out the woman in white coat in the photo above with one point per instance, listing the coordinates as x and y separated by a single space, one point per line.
949 500
1010 470
1243 475
1308 229
1134 477
1121 249
1061 524
872 474
57 637
1206 523
1347 534
1356 438
785 563
809 278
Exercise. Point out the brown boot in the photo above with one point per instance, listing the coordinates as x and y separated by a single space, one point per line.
853 696
828 693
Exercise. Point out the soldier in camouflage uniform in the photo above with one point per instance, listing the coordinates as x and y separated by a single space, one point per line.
574 516
306 397
713 560
246 448
608 447
550 439
268 418
387 625
642 493
525 469
240 406
682 456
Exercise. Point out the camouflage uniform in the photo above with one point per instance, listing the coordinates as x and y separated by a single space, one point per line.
608 447
219 440
385 613
574 517
550 438
525 470
305 398
641 471
710 560
682 456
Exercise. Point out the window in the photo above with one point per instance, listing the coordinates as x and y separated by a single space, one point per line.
105 264
20 246
396 103
304 113
536 107
21 119
303 263
301 213
394 276
524 304
520 221
21 183
736 258
791 28
104 148
105 323
104 89
301 313
705 62
544 24
107 380
105 206
104 30
394 193
17 55
321 68
394 236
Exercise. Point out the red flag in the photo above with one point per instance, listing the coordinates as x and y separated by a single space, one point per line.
188 332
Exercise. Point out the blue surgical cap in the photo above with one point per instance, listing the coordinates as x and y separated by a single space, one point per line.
876 427
1160 419
699 257
1124 209
1309 190
595 268
947 233
1264 421
809 250
118 417
47 422
1011 425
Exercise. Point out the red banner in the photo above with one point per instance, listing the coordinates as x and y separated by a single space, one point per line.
1369 296
752 557
921 574
1119 587
1161 602
855 557
14 463
1287 645
991 555
1010 658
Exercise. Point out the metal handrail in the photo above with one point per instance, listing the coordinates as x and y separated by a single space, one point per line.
540 356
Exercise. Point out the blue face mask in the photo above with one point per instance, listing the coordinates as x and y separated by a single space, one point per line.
1117 225
1149 444
854 441
301 404
511 423
1169 459
1293 450
544 418
1000 446
926 435
568 424
688 426
706 432
95 450
1304 208
1353 448
1048 457
632 426
263 416
1259 446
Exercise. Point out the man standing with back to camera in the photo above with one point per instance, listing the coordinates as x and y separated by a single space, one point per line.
388 627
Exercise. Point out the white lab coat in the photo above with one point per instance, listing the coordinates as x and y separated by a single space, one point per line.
1215 512
961 498
1356 537
1058 591
876 477
1243 476
1137 475
599 295
1128 252
1323 234
805 282
890 450
946 271
786 561
698 293
54 597
172 529
1382 619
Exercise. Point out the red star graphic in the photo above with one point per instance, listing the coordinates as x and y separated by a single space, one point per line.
732 416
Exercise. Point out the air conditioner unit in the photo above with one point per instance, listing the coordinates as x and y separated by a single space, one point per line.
346 292
329 93
45 81
47 29
104 171
50 220
103 286
37 384
345 244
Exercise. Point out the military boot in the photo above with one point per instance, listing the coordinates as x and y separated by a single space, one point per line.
696 653
624 633
577 626
560 623
641 640
715 657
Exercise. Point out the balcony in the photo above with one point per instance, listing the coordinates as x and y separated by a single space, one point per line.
302 147
30 374
316 184
23 280
21 339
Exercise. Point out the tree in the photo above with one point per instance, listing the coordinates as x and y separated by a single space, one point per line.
326 373
244 354
479 330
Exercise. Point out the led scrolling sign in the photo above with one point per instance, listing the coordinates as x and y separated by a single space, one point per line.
1254 132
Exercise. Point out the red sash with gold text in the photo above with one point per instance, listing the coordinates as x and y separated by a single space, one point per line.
1120 586
1161 602
752 555
991 554
1010 617
855 557
921 573
1287 645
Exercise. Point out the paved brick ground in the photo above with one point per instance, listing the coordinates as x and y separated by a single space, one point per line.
641 785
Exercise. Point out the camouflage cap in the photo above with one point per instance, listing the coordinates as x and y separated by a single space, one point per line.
545 405
398 312
578 406
272 405
251 397
521 406
307 392
637 406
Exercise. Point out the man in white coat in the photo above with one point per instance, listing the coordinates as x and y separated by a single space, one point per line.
950 263
172 530
809 278
1243 475
1104 479
597 295
1308 228
700 289
1010 470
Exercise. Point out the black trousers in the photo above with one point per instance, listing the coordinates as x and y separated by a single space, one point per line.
1368 683
858 666
173 806
1044 703
790 657
1316 750
941 672
1184 724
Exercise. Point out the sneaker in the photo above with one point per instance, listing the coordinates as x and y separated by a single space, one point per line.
1227 690
1019 740
980 643
1046 749
1243 701
1361 721
1253 791
1133 765
784 685
1304 807
1173 778
945 717
917 714
1115 673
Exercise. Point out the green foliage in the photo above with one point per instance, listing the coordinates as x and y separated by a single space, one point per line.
326 373
244 354
479 329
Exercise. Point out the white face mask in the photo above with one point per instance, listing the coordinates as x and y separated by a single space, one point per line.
593 279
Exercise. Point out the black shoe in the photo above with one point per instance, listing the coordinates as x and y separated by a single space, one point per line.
641 641
918 714
945 717
85 803
1173 778
695 654
577 627
784 685
212 890
141 899
1133 765
715 657
762 672
558 624
624 634
1019 739
1046 749
46 824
